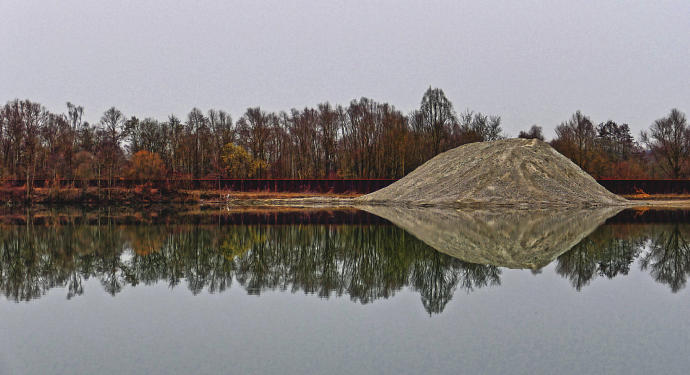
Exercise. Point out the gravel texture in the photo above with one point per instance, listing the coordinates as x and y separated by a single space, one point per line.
511 172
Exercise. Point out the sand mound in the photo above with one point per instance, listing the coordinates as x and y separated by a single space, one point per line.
510 172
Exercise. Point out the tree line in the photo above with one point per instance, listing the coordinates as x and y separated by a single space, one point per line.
609 150
364 139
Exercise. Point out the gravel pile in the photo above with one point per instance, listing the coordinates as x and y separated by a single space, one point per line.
511 173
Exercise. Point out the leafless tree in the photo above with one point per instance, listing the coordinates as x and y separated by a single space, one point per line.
438 116
669 139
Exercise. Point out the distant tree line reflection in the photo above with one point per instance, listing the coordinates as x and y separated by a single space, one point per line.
364 262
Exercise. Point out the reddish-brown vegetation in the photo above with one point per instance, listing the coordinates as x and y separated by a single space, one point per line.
364 139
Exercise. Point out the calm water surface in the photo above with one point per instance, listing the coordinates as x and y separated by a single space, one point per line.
346 292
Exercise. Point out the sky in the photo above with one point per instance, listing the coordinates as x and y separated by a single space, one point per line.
531 62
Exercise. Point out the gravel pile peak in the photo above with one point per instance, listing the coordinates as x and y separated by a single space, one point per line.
509 172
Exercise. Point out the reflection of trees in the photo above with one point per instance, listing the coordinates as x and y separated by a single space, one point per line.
579 264
608 253
668 259
602 253
438 275
364 262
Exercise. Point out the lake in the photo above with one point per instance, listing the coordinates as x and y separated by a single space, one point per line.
384 291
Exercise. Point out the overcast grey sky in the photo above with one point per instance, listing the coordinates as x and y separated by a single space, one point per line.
528 61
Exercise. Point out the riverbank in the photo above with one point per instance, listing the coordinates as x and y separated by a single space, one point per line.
322 201
144 196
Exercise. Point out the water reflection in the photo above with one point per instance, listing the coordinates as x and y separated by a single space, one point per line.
606 252
509 238
663 250
668 258
365 262
576 239
431 252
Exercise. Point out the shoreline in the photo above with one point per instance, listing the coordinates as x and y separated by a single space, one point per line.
144 197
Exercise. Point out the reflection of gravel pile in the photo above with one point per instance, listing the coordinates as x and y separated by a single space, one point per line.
511 172
505 238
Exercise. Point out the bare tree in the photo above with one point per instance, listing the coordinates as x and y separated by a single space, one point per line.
669 139
222 133
74 119
576 138
175 133
255 129
328 136
35 117
112 125
478 127
438 117
196 127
